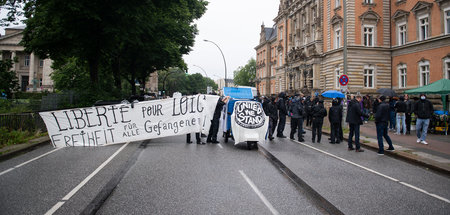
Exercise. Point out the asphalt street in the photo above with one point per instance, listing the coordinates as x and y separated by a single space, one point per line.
168 176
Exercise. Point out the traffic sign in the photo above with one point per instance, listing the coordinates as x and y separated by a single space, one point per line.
343 80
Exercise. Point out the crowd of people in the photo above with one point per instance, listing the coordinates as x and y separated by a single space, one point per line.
390 114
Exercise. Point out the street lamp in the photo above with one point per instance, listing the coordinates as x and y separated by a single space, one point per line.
223 56
202 70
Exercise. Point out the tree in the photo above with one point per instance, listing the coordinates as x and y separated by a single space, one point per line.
175 80
128 39
245 76
8 79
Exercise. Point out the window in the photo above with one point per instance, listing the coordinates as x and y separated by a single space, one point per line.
447 21
281 34
338 3
368 1
424 68
368 77
41 63
368 36
313 32
423 28
279 86
338 75
402 76
447 68
304 20
27 60
402 34
337 35
280 58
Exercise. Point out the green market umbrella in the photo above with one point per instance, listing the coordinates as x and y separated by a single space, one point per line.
441 87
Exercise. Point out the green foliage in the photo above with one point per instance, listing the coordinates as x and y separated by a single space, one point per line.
175 80
8 79
14 106
245 76
16 136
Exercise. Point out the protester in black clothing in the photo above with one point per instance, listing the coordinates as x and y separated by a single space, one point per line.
382 118
297 111
335 118
271 111
214 128
197 138
341 132
319 112
282 112
423 109
354 120
408 114
308 109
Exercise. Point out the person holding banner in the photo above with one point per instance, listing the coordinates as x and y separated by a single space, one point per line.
214 128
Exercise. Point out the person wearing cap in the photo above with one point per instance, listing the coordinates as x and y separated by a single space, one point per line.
423 109
319 112
354 121
381 121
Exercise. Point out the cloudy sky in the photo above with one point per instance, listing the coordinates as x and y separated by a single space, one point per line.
234 25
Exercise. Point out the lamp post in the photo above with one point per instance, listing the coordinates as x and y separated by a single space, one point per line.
202 70
223 56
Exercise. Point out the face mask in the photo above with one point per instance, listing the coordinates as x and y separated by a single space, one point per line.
422 97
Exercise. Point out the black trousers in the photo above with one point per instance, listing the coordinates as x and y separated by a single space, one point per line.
213 129
296 126
197 137
335 132
341 132
281 124
317 129
308 120
408 122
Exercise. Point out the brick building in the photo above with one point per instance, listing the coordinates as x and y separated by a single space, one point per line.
401 44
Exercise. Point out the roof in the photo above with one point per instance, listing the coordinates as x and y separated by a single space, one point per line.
270 33
19 27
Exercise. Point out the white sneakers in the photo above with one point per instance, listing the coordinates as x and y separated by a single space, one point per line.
424 143
418 141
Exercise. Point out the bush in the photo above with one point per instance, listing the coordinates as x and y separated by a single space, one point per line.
16 136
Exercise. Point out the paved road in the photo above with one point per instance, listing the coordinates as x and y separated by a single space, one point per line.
167 176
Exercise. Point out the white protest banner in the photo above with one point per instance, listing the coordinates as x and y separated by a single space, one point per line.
93 126
249 122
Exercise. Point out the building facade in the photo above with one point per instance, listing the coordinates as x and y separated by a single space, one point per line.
420 42
401 44
32 72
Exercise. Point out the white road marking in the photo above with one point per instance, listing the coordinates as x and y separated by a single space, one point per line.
220 146
29 161
258 192
378 173
89 177
54 208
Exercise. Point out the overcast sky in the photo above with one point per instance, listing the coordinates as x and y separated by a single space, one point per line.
234 25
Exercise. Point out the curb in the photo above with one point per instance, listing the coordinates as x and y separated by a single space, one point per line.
24 147
405 156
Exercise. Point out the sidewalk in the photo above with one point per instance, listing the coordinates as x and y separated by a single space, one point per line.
435 155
